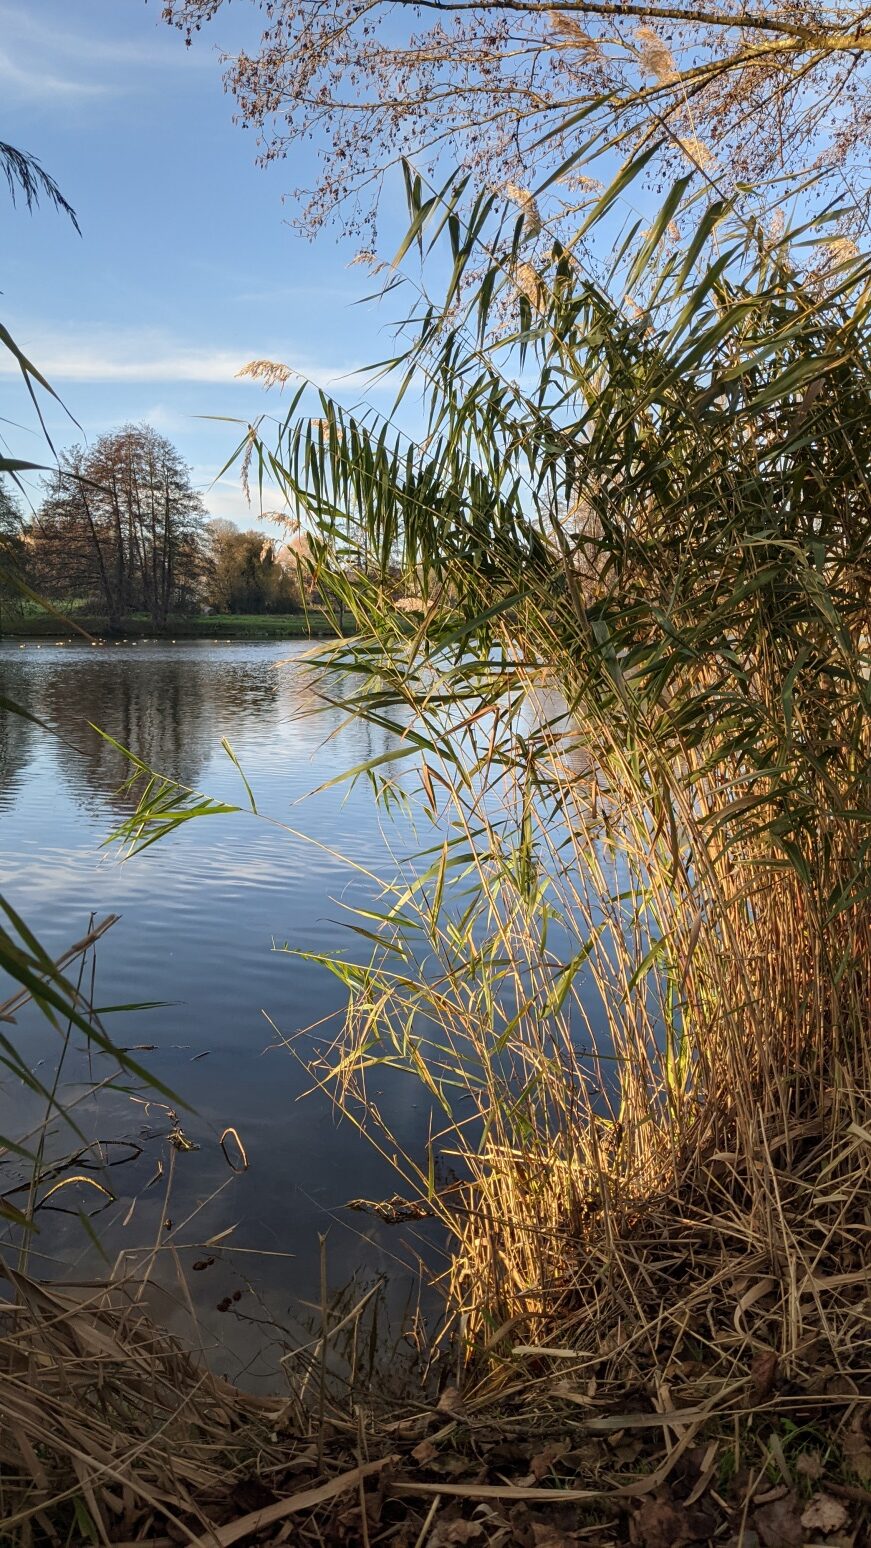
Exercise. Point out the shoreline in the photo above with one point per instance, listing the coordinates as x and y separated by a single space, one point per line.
227 626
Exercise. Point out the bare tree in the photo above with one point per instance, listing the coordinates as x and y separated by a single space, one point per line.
508 88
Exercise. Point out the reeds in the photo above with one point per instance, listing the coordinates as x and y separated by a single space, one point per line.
630 965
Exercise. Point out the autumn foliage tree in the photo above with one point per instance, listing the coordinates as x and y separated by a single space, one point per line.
122 524
507 89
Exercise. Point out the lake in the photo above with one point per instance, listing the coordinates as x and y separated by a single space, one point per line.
202 915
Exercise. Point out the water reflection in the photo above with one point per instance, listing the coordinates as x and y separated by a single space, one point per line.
171 707
200 917
15 750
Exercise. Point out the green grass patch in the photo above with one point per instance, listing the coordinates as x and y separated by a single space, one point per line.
227 626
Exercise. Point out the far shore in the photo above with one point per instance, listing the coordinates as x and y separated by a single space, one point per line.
314 624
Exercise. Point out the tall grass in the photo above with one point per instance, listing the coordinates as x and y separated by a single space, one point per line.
630 661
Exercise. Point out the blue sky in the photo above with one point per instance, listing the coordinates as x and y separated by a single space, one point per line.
186 267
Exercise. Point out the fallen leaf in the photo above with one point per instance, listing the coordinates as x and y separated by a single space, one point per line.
546 1536
451 1403
779 1524
425 1452
450 1534
810 1465
857 1452
763 1373
765 1498
541 1464
824 1514
449 1465
659 1524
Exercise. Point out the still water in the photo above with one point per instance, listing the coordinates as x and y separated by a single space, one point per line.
204 917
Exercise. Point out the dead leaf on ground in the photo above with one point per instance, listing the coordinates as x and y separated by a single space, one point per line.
763 1373
823 1514
545 1536
660 1524
448 1464
779 1524
450 1534
857 1452
451 1403
541 1464
425 1452
810 1465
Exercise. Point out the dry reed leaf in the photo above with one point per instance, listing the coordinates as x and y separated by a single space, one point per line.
306 1499
749 1299
80 1177
220 1236
613 1423
242 1164
545 1349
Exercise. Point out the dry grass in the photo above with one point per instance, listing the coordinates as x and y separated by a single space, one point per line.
660 1113
706 1381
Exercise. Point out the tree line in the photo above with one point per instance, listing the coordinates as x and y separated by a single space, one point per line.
121 530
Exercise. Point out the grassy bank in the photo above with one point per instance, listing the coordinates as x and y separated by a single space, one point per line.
226 626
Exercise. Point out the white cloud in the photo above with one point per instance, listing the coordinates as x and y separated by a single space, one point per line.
71 362
40 61
226 497
40 83
166 49
101 355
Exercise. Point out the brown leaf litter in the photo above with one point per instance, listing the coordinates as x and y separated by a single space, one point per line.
705 1387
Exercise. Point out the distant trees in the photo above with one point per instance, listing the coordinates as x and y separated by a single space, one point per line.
122 524
121 530
12 547
10 519
246 574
